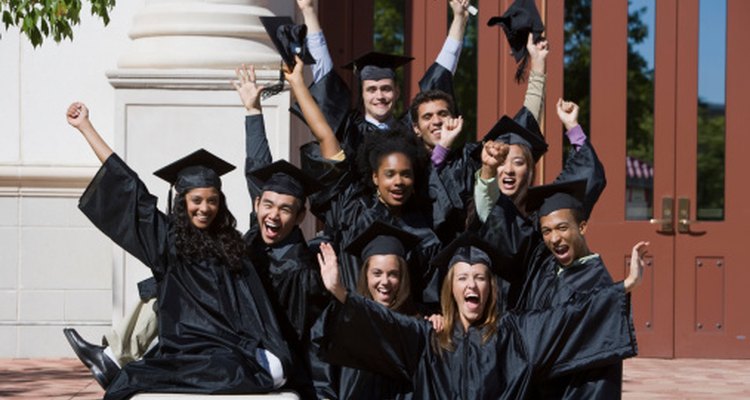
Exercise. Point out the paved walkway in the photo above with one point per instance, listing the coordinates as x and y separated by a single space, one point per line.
643 379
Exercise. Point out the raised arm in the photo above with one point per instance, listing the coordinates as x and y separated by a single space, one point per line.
329 145
257 151
315 41
582 163
486 190
534 100
78 117
329 272
635 276
118 203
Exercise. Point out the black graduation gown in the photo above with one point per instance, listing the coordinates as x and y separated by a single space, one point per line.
211 321
347 211
531 271
289 270
451 190
527 348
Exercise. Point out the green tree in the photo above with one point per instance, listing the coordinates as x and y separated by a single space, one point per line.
39 19
711 161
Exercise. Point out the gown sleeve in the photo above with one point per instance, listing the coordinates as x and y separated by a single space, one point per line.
332 96
513 237
592 330
334 176
118 203
365 335
257 151
584 164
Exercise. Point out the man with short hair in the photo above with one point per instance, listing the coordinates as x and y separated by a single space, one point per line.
376 79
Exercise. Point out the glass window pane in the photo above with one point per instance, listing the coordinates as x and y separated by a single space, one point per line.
388 36
711 106
639 179
577 58
465 80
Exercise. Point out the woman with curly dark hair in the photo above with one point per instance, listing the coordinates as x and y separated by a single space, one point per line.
217 331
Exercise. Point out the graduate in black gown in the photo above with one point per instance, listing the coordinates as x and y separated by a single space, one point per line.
383 278
392 177
479 354
217 329
282 258
378 91
559 265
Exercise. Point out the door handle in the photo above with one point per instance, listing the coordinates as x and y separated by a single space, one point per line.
666 222
683 215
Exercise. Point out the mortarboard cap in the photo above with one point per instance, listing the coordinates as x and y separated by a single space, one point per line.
376 66
382 238
284 178
198 169
556 196
520 19
288 38
469 248
509 131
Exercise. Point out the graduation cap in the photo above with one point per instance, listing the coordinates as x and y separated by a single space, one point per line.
198 169
288 38
468 248
556 196
284 178
507 130
520 19
382 238
376 66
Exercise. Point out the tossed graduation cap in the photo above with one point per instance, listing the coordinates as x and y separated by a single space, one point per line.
376 66
198 169
520 19
382 238
507 130
288 38
284 178
469 248
556 196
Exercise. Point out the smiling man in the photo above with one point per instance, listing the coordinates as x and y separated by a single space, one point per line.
558 265
375 79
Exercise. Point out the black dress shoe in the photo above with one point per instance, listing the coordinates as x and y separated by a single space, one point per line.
93 357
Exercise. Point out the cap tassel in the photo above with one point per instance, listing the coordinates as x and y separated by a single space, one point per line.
169 200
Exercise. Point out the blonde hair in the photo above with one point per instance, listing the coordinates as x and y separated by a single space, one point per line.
404 287
487 323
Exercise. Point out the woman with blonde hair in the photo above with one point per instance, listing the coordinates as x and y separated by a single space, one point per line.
479 354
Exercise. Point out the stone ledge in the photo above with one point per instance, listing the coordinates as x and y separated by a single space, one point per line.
44 181
173 396
184 79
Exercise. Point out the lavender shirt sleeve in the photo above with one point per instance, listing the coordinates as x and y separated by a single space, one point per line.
439 154
576 136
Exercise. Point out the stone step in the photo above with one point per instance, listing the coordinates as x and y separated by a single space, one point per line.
172 396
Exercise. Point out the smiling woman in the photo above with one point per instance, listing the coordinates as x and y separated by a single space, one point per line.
486 355
217 332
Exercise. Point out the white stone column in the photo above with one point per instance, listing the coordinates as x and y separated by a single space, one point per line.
173 96
199 34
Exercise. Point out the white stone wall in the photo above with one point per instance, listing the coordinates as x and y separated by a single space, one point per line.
56 269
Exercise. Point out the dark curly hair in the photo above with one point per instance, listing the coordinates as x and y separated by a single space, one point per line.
220 240
379 145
